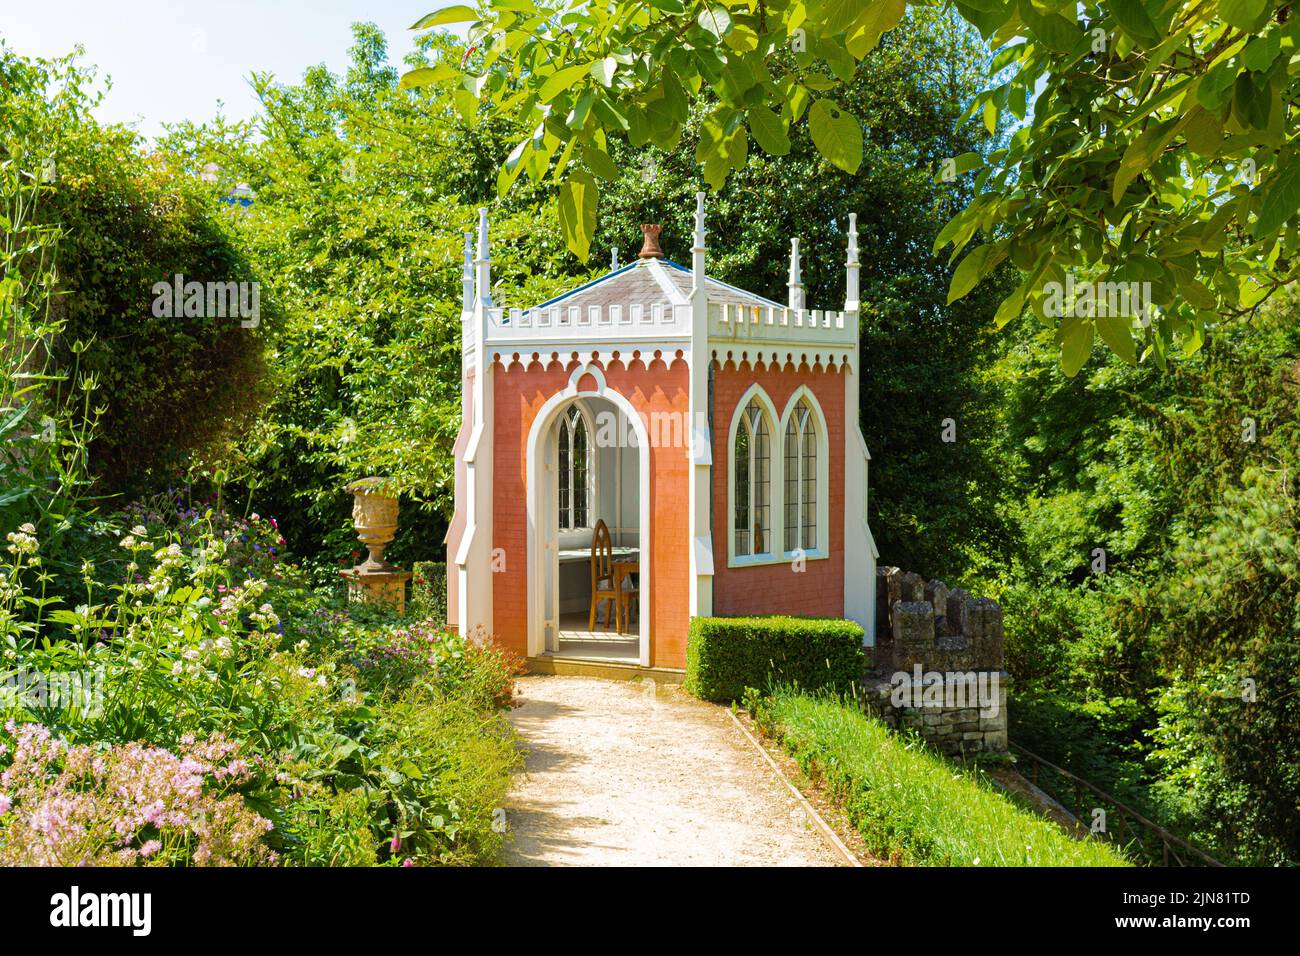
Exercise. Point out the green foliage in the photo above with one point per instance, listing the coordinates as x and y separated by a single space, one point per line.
429 590
402 762
167 386
910 805
1128 672
1153 142
363 193
922 361
1165 134
725 655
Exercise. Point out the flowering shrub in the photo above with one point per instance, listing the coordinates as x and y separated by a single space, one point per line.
431 652
63 805
356 733
252 543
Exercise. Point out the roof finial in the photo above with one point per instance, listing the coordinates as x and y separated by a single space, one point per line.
698 278
482 234
613 259
650 249
796 280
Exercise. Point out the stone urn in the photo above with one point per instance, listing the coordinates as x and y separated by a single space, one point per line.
374 515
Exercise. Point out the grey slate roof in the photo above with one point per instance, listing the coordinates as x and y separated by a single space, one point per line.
650 281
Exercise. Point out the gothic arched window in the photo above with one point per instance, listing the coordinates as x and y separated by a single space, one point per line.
752 467
574 471
801 478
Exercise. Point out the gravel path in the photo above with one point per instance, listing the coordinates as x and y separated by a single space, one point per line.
625 773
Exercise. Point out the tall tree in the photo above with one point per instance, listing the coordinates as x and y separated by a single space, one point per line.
1156 141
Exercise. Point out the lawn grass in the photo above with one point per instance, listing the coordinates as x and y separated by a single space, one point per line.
911 805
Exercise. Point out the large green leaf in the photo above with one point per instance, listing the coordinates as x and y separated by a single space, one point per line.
598 162
1116 332
769 132
578 198
716 20
877 18
978 263
603 70
1075 336
1051 29
1280 198
1247 15
456 14
428 75
1143 151
1135 21
561 80
836 134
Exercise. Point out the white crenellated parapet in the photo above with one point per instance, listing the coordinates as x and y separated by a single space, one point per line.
576 323
731 321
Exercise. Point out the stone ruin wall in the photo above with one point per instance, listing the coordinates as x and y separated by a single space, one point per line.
927 627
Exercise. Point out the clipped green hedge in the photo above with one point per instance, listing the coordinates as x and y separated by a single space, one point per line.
429 589
912 806
724 655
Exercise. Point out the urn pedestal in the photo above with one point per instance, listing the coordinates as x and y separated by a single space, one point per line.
374 514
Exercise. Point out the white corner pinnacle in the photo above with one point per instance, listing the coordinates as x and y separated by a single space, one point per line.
851 297
796 280
467 275
698 248
613 259
482 263
482 233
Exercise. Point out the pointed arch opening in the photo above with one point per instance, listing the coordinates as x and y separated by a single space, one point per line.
805 475
752 536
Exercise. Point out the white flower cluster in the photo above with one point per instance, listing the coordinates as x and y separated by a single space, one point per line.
265 618
23 541
135 541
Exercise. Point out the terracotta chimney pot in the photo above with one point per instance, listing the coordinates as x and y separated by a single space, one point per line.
651 249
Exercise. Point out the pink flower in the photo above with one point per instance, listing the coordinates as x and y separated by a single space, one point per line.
150 848
396 844
5 804
407 862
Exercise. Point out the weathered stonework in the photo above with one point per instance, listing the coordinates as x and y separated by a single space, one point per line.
374 513
938 666
377 587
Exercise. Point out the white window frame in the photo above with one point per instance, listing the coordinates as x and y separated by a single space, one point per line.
821 435
773 554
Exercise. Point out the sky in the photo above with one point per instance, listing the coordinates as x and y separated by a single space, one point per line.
175 59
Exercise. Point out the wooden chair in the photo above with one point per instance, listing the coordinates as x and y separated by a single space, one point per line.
626 595
602 574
